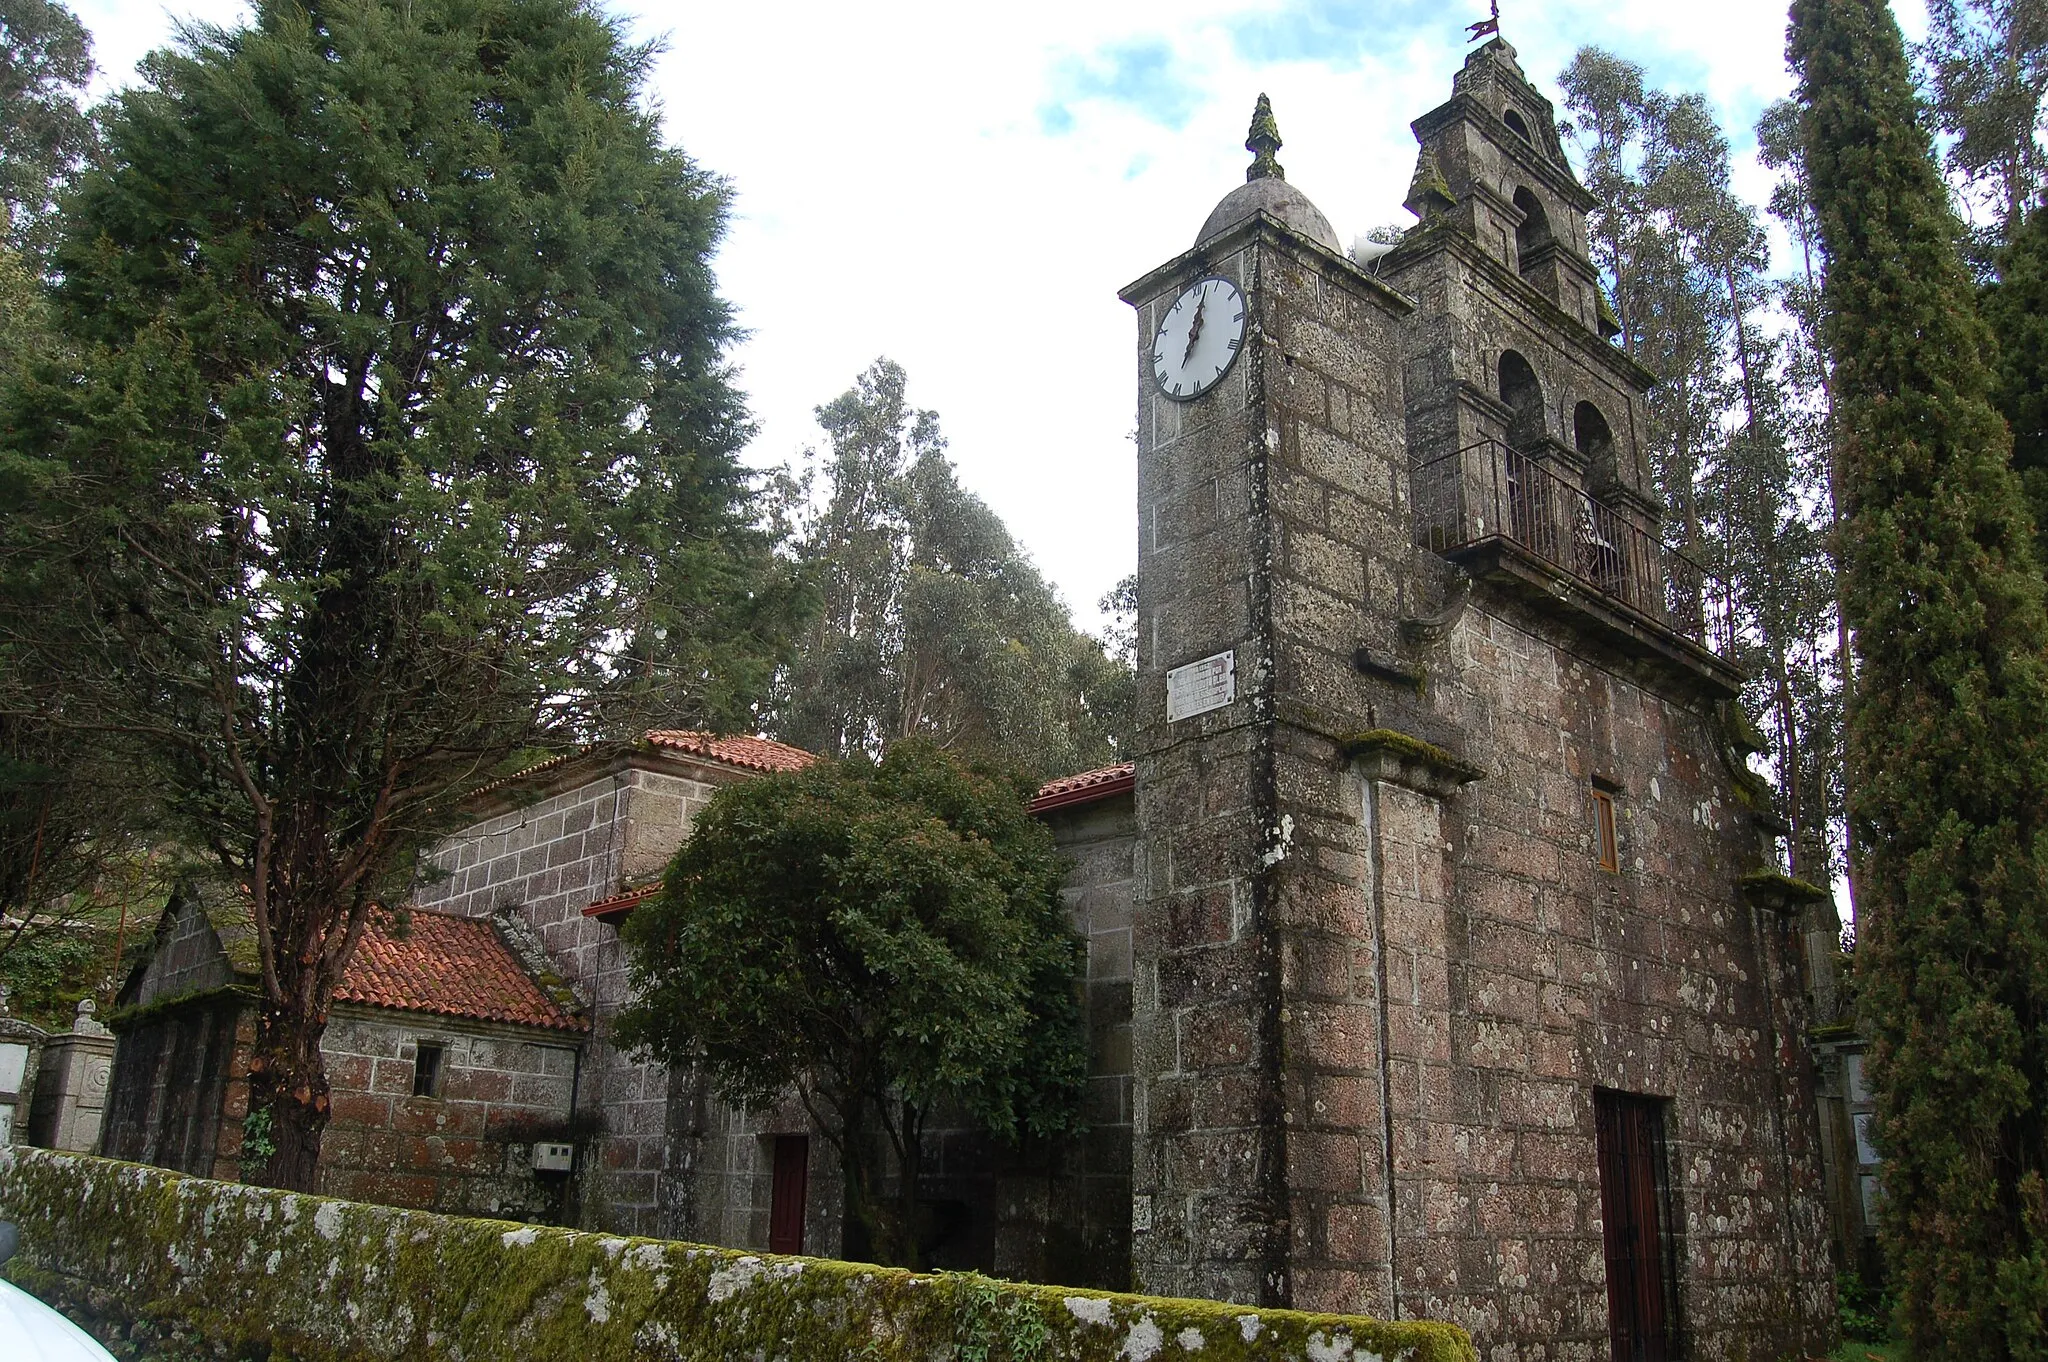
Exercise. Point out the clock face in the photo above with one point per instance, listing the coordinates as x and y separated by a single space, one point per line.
1198 339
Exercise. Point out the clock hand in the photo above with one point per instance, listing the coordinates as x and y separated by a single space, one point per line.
1195 328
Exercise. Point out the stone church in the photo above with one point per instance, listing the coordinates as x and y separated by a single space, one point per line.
1439 964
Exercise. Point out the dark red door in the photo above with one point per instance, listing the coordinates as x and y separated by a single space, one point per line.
1629 1131
786 1199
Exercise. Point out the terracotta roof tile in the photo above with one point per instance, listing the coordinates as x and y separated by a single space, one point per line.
448 966
619 906
757 754
1085 788
754 754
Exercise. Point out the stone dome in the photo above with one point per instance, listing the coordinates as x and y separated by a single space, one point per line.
1272 195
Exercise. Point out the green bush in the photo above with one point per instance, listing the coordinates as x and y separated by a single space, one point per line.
1865 1311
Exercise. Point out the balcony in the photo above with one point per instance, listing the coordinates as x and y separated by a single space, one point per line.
1499 509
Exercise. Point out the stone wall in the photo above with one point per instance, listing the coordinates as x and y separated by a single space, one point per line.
1256 1174
165 1265
1064 1213
189 959
179 1087
466 1150
588 833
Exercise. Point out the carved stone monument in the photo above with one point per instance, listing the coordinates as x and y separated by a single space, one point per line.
71 1093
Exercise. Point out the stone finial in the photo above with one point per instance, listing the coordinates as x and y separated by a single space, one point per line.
1262 142
84 1023
1428 193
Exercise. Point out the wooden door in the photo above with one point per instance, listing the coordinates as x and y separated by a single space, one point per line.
1629 1131
787 1193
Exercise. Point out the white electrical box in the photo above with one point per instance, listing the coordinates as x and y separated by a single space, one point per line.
550 1157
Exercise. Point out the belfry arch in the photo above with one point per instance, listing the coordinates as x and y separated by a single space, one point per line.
1533 232
1523 395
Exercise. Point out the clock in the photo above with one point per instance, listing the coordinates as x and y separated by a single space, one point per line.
1198 339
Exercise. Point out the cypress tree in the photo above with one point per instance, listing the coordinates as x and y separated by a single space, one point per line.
1948 747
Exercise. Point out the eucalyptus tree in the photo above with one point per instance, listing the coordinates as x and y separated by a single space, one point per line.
1665 232
45 62
934 622
1688 263
391 404
1986 68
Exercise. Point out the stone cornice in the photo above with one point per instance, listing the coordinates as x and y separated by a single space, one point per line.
581 768
1467 107
1403 759
1560 594
1442 236
1268 230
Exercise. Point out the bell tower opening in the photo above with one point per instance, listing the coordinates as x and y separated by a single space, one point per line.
1534 229
1524 398
1517 125
1591 435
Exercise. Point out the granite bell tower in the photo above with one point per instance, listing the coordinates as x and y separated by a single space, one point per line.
1464 983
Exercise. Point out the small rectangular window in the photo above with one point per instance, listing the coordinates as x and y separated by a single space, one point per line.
1604 842
426 1070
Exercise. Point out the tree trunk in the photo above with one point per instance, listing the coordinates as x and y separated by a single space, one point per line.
910 1172
875 1231
288 1101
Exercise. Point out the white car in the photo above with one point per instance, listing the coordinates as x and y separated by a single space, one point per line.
31 1331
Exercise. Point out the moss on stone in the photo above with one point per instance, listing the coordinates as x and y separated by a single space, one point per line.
1775 889
125 1018
144 1255
1411 748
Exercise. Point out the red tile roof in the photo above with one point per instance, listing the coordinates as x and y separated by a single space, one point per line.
756 754
619 906
449 966
1085 788
753 754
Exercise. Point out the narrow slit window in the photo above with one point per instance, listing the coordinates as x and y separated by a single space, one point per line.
426 1070
1604 843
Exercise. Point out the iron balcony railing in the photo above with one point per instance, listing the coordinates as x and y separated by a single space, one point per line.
1491 491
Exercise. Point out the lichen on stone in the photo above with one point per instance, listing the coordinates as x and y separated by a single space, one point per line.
155 1261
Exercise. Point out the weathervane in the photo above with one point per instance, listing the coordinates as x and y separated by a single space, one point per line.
1490 24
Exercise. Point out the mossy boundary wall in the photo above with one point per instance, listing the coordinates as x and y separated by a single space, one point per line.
149 1258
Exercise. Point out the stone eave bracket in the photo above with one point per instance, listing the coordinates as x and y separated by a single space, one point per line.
1406 760
1779 892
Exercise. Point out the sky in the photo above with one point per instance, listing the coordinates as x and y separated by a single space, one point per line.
964 187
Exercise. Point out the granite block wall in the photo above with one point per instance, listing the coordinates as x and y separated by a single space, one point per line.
588 834
1063 1212
466 1149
